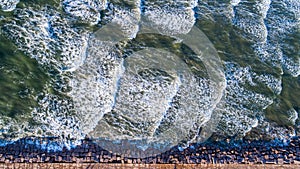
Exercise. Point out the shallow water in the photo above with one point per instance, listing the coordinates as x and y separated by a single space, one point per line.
156 73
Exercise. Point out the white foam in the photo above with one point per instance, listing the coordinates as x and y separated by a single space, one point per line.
8 5
292 66
240 107
128 21
174 17
279 132
269 53
264 7
85 10
273 83
235 2
94 84
251 21
293 115
293 6
56 117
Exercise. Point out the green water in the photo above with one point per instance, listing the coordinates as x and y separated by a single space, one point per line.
289 98
38 3
22 79
167 43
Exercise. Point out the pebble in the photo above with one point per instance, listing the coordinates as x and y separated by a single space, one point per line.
89 152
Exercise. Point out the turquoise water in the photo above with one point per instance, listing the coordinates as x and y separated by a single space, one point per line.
72 69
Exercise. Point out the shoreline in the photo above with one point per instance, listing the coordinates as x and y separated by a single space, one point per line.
141 166
243 152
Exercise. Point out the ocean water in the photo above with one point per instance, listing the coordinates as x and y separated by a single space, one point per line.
149 74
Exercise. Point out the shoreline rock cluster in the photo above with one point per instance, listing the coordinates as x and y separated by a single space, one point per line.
232 152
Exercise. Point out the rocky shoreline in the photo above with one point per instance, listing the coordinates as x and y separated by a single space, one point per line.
221 152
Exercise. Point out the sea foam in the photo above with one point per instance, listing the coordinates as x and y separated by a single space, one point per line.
8 5
239 107
85 11
173 17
